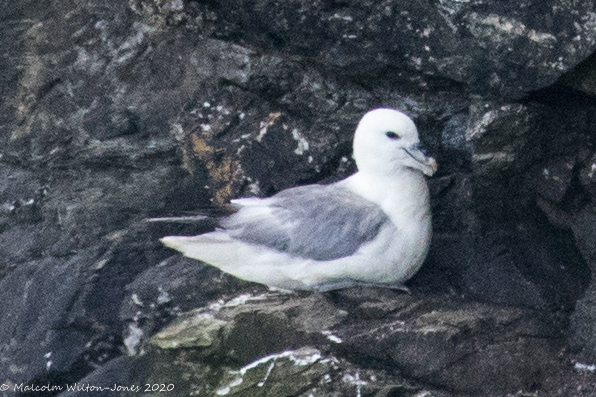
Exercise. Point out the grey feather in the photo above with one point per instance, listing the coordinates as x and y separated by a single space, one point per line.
321 222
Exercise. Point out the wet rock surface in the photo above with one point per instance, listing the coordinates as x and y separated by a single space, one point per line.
116 113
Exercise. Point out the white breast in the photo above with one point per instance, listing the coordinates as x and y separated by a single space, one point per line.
405 199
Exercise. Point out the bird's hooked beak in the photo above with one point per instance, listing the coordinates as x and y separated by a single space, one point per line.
424 163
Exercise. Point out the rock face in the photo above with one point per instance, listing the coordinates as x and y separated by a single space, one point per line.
114 113
420 337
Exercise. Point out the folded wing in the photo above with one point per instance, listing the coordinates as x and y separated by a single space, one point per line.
320 222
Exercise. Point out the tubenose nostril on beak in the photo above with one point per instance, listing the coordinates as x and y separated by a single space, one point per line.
421 149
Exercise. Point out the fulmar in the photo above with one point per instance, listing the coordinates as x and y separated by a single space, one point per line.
370 229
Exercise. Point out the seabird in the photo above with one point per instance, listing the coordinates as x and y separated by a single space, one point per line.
372 228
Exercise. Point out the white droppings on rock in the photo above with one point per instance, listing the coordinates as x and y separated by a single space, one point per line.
216 306
133 339
356 381
262 383
223 391
302 143
299 358
331 337
163 296
254 188
280 291
136 300
26 289
510 26
264 125
346 18
238 382
585 367
592 170
423 393
540 37
48 362
239 300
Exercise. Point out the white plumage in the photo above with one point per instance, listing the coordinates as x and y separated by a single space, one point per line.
372 228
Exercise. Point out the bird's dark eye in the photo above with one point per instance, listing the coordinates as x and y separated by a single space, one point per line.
391 135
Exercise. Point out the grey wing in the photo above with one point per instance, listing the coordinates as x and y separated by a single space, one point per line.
321 222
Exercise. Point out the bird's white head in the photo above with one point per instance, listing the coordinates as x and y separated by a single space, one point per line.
386 141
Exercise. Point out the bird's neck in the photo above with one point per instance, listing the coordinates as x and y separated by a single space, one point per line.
403 196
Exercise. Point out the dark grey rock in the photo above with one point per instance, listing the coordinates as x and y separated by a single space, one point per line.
565 201
482 45
431 339
554 179
587 175
249 327
583 326
583 319
582 77
453 135
584 229
502 137
159 294
300 372
453 203
37 297
119 111
424 338
121 377
527 267
306 371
